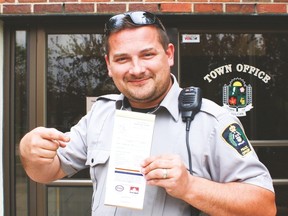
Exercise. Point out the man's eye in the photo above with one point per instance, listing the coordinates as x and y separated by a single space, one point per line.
122 59
149 54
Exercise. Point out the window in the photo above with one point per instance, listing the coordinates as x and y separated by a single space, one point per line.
256 64
215 60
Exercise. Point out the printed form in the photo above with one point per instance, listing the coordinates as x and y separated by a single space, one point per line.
131 143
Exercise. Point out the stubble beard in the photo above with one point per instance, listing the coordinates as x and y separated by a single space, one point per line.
151 95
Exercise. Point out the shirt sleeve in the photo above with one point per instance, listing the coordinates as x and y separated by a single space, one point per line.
73 156
234 159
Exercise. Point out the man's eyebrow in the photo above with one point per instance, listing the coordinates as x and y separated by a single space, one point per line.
117 55
148 49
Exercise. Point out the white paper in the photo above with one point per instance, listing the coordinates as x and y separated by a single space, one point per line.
131 143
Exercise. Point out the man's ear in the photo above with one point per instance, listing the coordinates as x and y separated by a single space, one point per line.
108 65
170 54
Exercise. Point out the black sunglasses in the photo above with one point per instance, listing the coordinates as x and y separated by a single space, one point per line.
137 18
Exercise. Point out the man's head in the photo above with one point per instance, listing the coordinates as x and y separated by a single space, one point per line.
134 19
138 58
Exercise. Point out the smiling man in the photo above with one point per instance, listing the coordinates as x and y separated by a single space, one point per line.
222 181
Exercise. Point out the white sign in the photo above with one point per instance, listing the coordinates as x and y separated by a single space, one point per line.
190 38
89 102
239 68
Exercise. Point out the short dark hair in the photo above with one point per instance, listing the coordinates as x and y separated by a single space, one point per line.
125 21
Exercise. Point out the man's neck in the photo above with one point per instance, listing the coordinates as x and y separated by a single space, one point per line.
145 110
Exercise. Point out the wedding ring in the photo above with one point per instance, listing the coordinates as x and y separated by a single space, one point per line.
165 173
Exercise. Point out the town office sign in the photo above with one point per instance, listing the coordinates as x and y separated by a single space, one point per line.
240 68
237 95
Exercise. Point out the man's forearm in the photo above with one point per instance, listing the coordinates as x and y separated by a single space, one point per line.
233 199
44 173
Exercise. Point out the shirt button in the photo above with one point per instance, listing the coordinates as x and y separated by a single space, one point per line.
92 160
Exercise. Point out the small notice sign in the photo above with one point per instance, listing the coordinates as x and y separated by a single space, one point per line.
89 102
190 38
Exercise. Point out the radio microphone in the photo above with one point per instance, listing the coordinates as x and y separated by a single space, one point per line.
190 100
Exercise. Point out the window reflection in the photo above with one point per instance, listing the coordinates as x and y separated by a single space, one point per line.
274 158
64 201
76 69
268 52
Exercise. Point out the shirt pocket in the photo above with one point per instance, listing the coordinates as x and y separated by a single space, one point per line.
96 156
98 162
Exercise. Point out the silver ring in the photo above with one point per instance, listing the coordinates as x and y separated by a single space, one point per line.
165 173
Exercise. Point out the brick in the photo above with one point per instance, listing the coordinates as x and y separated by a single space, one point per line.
111 8
48 8
224 1
61 1
79 8
208 8
240 8
146 7
193 1
31 1
271 8
95 1
17 9
7 1
127 1
165 6
157 1
255 2
176 7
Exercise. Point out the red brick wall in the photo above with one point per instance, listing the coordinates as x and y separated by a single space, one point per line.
164 6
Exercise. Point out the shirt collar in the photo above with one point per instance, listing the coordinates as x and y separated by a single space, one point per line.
170 102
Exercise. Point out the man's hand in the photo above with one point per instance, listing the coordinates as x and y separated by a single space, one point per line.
167 171
38 151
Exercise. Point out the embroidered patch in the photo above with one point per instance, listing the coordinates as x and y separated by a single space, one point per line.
236 138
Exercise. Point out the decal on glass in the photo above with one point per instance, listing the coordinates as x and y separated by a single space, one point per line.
237 97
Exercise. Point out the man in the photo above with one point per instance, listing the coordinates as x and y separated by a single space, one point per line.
225 180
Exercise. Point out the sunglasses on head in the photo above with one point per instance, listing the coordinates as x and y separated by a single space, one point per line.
137 18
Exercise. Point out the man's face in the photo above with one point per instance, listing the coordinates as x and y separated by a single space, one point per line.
139 65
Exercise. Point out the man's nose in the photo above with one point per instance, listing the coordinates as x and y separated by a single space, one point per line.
136 66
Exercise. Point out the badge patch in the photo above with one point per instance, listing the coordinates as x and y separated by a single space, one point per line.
236 138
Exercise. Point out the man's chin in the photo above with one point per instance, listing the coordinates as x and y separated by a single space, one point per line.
141 98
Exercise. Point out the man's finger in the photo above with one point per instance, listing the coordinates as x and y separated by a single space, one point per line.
53 135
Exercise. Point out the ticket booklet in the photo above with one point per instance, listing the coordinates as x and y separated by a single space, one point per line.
131 144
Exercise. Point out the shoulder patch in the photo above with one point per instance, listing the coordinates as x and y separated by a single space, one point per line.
235 137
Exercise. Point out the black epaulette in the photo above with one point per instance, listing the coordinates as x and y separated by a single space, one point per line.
109 97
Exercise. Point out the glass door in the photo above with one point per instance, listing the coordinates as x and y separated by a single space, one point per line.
76 71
